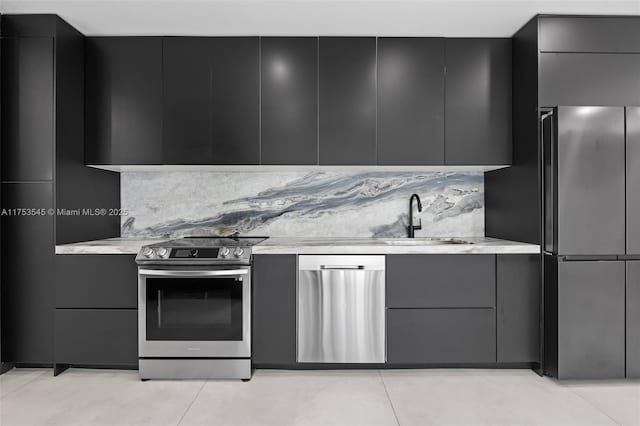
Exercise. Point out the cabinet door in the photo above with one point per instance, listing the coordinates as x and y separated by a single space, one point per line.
27 270
441 336
441 281
27 108
633 180
289 73
633 319
591 320
274 310
410 101
186 85
235 104
590 195
123 100
347 90
518 299
602 34
589 79
105 337
478 101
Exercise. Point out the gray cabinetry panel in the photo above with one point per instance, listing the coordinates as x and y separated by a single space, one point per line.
449 336
590 34
633 180
591 181
478 101
441 281
591 320
347 108
27 108
633 319
96 281
289 100
274 310
589 79
410 101
518 307
106 337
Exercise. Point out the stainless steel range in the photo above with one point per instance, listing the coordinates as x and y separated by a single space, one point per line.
194 308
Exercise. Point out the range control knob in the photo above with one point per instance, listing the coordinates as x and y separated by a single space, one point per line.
147 252
224 252
238 252
163 252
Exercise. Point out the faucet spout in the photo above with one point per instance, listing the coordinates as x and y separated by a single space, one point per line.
412 228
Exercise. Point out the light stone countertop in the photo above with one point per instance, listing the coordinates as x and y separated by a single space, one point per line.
280 245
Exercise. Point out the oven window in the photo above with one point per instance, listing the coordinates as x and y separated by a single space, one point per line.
194 309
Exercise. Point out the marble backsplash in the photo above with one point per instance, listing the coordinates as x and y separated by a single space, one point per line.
301 204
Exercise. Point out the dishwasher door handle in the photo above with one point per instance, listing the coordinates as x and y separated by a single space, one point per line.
342 267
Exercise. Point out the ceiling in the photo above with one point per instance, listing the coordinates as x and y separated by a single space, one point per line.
453 18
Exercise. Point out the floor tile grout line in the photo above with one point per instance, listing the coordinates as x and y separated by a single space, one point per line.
386 391
24 384
593 405
191 403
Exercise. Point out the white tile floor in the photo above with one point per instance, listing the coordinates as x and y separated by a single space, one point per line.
365 397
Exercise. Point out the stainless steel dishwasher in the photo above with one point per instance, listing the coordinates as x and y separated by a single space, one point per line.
341 309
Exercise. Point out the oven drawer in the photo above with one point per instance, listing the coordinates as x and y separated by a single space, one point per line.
104 337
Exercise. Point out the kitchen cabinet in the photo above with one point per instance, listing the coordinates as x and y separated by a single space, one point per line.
410 117
591 320
347 100
186 100
518 308
104 337
274 310
478 101
441 336
27 268
96 281
441 281
123 100
289 100
592 34
605 79
633 180
633 320
27 108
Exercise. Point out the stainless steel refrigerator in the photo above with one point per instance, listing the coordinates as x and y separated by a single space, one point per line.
590 170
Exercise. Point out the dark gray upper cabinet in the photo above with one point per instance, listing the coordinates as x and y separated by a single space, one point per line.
518 307
347 109
186 104
590 174
591 320
590 34
123 100
274 310
27 108
410 101
633 320
633 180
235 105
289 100
589 79
478 101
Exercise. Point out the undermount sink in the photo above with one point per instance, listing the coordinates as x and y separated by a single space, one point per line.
424 241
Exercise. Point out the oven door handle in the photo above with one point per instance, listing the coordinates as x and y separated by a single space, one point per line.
182 273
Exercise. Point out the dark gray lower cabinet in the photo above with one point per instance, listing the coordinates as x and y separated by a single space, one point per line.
518 308
274 310
105 337
633 319
441 336
591 320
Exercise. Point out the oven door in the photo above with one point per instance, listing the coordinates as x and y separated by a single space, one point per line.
194 312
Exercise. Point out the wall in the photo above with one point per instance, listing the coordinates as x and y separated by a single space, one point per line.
323 204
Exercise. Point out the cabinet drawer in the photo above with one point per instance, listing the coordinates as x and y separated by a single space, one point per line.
441 281
106 337
447 336
96 281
